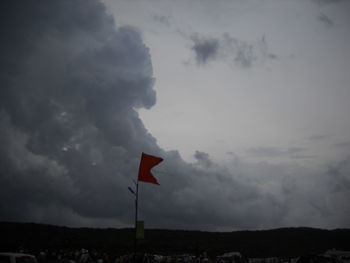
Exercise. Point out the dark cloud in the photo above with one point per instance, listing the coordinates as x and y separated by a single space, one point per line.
231 50
246 54
206 49
203 158
325 20
70 131
71 138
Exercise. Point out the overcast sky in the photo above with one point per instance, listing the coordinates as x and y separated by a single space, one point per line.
248 103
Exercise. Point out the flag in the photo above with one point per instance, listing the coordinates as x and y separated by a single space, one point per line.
146 164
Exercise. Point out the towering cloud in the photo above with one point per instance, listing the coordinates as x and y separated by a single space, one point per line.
70 134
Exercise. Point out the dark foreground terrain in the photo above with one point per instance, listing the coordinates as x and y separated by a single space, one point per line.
264 243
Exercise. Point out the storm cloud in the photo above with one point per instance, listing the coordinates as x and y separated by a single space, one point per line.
71 135
72 82
231 50
205 49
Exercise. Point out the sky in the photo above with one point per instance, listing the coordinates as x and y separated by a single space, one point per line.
246 101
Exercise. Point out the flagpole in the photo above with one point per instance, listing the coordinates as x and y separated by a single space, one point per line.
146 164
136 214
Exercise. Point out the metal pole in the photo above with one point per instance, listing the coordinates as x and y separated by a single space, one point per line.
136 212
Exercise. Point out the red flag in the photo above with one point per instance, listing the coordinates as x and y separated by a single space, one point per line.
146 164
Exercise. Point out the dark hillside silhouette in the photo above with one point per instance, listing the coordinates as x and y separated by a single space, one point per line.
262 243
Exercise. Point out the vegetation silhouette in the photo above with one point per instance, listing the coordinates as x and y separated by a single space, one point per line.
286 242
